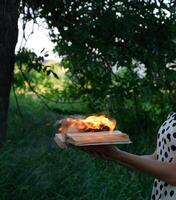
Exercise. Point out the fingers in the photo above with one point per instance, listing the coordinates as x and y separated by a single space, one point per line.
95 152
105 152
87 150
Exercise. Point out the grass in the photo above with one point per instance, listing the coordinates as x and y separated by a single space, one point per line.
32 167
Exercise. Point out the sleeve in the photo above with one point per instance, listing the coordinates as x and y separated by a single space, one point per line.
170 139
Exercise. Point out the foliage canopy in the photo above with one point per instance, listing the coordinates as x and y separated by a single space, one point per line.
117 52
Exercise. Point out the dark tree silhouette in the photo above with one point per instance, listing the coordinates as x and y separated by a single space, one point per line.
8 40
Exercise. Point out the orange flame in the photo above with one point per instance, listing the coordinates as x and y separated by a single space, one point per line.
92 123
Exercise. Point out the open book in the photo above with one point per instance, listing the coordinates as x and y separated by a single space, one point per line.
91 138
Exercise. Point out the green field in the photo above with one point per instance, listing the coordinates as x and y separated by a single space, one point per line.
112 57
32 167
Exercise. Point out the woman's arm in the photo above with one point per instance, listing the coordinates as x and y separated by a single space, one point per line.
152 156
162 170
148 164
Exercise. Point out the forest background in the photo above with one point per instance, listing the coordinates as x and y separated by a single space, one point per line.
118 58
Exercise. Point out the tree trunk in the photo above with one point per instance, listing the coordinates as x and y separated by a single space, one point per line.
8 40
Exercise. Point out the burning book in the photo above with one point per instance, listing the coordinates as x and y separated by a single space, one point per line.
91 130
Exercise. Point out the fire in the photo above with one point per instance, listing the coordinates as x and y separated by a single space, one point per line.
92 123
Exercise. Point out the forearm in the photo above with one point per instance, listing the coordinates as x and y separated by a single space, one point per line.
147 157
152 156
161 170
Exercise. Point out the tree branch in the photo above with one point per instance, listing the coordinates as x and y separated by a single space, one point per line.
17 103
33 90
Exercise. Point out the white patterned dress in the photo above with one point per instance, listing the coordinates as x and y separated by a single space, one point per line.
166 152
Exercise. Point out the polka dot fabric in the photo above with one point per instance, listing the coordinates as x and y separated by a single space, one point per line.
166 152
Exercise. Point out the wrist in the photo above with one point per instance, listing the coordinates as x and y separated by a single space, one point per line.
116 154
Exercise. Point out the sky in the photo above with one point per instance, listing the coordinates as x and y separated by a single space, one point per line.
36 41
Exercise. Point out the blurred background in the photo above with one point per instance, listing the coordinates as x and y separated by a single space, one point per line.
78 58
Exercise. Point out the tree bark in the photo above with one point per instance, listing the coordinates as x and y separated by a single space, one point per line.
8 40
